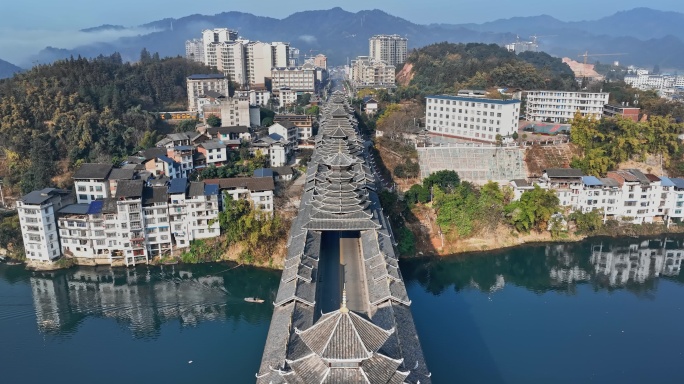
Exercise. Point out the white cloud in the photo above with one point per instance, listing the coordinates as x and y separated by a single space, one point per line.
18 46
308 39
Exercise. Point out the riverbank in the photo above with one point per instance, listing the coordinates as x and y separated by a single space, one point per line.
429 241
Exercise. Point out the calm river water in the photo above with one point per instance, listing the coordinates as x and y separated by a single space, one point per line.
608 311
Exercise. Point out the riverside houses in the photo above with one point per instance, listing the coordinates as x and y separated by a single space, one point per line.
140 220
626 195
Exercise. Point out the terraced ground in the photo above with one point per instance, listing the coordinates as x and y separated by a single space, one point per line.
538 158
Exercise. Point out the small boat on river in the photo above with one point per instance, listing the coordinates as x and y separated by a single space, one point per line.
254 300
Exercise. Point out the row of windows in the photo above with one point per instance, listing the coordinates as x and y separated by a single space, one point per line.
466 103
472 127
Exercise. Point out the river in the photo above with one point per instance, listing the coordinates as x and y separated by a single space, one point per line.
596 311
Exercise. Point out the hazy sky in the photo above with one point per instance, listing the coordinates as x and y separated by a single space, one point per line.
69 14
30 25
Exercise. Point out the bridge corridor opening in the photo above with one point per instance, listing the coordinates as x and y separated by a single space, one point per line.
341 267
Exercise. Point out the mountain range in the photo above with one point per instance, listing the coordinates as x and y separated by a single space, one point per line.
642 36
7 69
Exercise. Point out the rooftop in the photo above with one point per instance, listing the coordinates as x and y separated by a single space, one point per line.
97 171
129 188
206 76
473 99
250 183
41 196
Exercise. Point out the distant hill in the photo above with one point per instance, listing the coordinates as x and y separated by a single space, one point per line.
8 69
647 36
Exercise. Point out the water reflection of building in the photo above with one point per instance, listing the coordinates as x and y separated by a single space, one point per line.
143 299
563 266
638 262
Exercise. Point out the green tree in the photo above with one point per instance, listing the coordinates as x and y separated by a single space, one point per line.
213 121
447 180
587 223
533 210
267 122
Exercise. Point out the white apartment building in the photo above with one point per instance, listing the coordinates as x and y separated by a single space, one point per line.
214 151
155 204
203 209
561 106
367 72
211 38
230 59
477 119
91 182
287 130
255 97
391 49
194 50
275 147
259 59
301 79
258 190
286 97
232 111
82 232
38 219
198 85
125 213
280 54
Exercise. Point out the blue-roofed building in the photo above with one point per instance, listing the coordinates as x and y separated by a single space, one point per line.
179 185
163 166
471 118
263 172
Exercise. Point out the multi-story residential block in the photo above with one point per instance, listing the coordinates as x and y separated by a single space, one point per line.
91 182
155 205
477 119
391 49
198 85
286 97
82 232
231 60
567 183
211 38
304 124
301 79
125 214
182 155
275 147
561 106
232 111
214 151
202 204
38 219
321 61
281 54
177 139
194 50
258 190
259 59
287 130
626 112
366 72
260 97
163 166
640 196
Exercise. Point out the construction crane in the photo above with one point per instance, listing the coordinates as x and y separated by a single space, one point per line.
586 55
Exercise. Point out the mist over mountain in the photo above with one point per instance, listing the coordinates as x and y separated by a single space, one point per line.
645 36
8 69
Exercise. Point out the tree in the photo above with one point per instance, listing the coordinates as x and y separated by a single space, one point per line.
587 223
313 110
417 194
186 126
267 122
145 56
533 210
447 180
213 121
